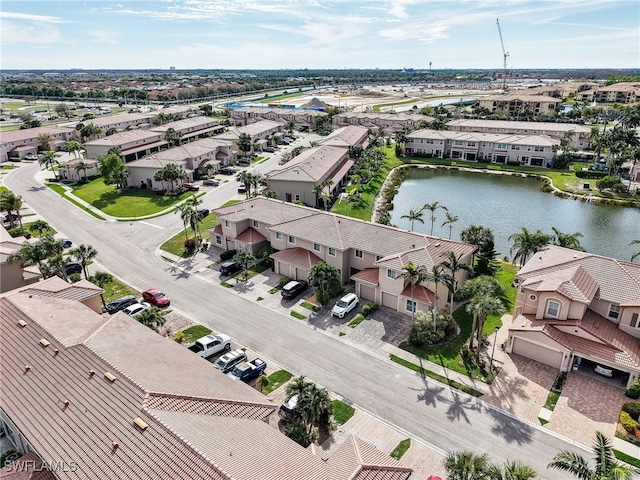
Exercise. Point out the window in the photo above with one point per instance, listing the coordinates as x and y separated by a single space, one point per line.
218 240
332 251
316 247
292 239
410 306
256 224
297 197
614 311
457 142
553 309
392 274
635 321
538 149
279 235
227 223
515 147
533 297
358 253
430 140
501 146
471 144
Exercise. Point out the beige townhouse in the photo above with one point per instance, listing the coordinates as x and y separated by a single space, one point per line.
513 104
624 92
388 122
12 273
533 150
371 255
132 144
345 137
304 119
260 132
577 310
118 123
20 143
192 127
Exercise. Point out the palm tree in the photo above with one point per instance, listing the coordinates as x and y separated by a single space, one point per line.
186 211
73 147
525 243
83 254
454 265
567 240
432 207
49 161
11 202
37 253
481 306
39 226
606 465
158 176
512 470
451 219
466 465
414 215
56 265
152 317
243 259
81 166
637 254
315 407
257 180
413 275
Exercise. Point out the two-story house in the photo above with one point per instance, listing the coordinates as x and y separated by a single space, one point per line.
371 255
575 309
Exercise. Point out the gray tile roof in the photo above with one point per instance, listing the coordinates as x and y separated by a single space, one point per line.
312 165
346 136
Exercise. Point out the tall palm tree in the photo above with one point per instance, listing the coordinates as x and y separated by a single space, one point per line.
451 219
481 306
567 240
81 166
413 216
606 465
74 147
432 207
10 202
56 265
413 275
49 161
512 470
83 254
44 141
454 265
525 243
38 252
186 211
637 254
466 465
153 317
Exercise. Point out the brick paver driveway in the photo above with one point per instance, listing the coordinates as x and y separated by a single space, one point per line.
587 405
522 386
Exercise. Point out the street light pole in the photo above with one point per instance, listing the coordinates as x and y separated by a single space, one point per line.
493 351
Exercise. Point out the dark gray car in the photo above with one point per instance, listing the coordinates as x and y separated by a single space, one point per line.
119 304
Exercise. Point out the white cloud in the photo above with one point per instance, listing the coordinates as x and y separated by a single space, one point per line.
31 17
105 36
11 33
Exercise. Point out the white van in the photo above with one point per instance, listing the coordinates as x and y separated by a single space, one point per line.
345 305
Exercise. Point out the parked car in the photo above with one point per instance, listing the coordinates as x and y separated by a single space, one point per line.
156 297
227 170
67 243
12 217
229 267
242 188
73 267
203 212
244 161
31 156
604 371
287 410
345 305
119 304
293 288
136 308
228 361
211 182
211 344
246 371
190 187
269 149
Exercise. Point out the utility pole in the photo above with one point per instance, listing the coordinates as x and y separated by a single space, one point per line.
505 54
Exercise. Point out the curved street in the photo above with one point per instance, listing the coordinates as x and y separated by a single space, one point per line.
425 409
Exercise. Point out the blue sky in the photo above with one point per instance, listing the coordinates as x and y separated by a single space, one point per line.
235 34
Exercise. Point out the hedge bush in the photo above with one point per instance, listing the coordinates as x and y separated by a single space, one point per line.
627 422
227 255
607 181
423 333
369 308
633 409
634 390
593 174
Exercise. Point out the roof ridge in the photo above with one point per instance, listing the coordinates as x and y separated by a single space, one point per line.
209 399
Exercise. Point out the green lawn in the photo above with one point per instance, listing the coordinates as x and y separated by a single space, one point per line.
116 289
191 334
175 244
401 449
130 203
342 412
276 380
448 354
370 190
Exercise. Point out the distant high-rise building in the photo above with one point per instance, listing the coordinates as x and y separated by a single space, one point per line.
172 68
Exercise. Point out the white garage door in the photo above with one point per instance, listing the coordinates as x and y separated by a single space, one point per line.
389 300
537 352
368 293
300 274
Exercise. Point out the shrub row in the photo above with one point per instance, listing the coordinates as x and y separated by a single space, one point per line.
634 390
590 174
627 422
227 255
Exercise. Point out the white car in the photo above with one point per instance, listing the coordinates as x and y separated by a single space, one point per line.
345 305
136 308
604 371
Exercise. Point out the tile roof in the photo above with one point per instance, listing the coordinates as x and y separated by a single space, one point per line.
618 281
508 138
32 133
297 256
312 165
107 121
514 125
346 136
118 139
420 294
28 467
574 283
251 236
58 288
187 123
368 275
264 210
509 97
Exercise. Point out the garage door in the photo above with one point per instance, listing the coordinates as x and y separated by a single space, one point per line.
389 300
368 293
537 352
301 274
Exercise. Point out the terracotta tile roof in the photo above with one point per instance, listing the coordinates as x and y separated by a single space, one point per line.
523 127
251 236
618 281
208 406
368 275
265 210
346 136
297 256
420 294
357 460
217 229
58 288
312 165
574 283
28 467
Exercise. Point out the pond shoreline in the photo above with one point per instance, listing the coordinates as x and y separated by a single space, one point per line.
378 208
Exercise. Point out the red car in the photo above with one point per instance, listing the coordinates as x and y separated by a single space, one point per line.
190 187
156 297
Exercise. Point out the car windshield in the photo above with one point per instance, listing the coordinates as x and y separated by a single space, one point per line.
159 295
341 303
220 363
237 372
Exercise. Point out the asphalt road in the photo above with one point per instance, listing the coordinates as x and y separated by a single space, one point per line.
438 415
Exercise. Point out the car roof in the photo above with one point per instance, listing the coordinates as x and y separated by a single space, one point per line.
291 284
348 296
152 291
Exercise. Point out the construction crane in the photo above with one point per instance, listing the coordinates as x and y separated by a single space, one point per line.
505 54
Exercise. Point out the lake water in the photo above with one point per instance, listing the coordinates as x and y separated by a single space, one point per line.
505 203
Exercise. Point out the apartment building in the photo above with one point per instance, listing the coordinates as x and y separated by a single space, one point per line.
13 274
624 92
132 144
513 104
533 150
20 143
192 127
345 137
389 122
303 119
118 123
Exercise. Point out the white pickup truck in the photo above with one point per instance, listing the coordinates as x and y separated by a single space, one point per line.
211 344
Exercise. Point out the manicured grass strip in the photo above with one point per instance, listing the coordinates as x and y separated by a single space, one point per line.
230 202
276 380
175 244
63 193
116 289
259 299
297 315
552 400
226 284
35 234
342 412
542 421
435 376
191 334
274 290
401 449
356 321
627 458
310 306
